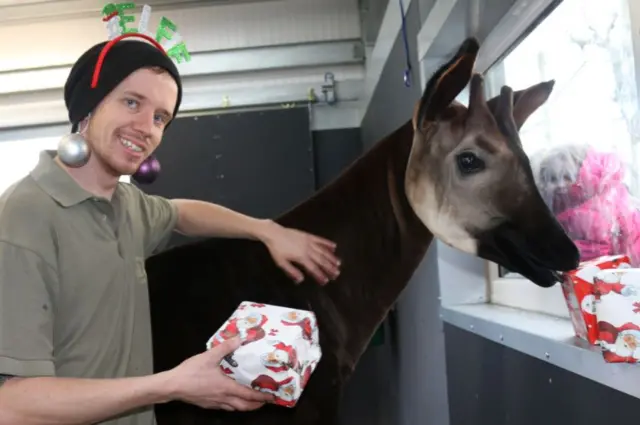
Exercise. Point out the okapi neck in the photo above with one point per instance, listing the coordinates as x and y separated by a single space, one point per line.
380 240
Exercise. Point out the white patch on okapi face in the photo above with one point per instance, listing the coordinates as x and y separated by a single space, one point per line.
443 226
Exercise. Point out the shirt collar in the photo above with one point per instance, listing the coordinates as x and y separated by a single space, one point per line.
56 182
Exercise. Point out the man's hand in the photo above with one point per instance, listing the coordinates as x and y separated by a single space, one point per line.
315 254
199 380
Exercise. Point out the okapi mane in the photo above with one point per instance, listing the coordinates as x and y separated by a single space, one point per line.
194 288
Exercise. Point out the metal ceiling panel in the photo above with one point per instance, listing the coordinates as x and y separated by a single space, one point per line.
46 107
14 11
207 64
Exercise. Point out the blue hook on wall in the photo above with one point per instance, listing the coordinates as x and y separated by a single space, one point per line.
407 70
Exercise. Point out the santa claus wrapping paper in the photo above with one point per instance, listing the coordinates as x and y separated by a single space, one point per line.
578 289
279 352
617 310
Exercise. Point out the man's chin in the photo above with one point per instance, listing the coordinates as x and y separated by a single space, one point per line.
127 169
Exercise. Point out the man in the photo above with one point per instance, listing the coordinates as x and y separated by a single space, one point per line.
75 337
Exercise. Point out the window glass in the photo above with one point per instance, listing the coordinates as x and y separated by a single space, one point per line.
583 143
19 157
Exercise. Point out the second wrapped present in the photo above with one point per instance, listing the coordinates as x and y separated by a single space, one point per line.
618 313
579 293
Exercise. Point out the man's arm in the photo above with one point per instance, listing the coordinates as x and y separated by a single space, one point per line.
198 218
160 217
30 393
287 246
70 401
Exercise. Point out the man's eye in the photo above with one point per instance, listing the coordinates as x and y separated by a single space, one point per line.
161 118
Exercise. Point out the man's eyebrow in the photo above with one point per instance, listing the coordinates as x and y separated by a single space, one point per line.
142 97
165 112
135 94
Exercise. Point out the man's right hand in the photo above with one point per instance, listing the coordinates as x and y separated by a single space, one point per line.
200 381
75 401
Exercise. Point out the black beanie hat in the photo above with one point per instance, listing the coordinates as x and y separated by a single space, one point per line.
122 59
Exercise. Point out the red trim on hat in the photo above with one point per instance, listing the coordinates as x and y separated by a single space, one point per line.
105 49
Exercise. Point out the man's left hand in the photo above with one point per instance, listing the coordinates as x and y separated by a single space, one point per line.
317 255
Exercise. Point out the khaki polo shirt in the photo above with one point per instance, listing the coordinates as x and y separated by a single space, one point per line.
73 288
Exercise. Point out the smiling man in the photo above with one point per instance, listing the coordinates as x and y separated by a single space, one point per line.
75 333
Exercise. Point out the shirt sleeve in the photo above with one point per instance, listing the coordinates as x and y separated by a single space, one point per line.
27 287
159 217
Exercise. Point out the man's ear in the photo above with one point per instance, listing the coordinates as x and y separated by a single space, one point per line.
83 125
526 102
447 82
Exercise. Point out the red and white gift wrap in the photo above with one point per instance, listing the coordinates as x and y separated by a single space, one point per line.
279 352
618 313
578 289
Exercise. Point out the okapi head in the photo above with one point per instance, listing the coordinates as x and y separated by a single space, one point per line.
469 180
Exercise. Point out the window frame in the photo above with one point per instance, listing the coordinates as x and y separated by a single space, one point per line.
510 289
519 292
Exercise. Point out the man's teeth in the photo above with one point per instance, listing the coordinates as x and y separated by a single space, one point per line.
130 145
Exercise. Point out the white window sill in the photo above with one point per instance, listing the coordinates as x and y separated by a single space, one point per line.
518 292
545 337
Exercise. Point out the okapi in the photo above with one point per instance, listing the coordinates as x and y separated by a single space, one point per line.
452 172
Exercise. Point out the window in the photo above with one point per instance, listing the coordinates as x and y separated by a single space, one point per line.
587 47
19 157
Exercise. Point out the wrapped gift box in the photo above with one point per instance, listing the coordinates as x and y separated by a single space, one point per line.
279 352
617 295
578 289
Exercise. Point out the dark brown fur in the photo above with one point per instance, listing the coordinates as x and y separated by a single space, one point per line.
195 288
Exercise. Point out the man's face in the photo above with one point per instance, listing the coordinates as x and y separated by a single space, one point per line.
128 124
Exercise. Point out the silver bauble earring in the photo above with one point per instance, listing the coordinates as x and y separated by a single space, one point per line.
73 150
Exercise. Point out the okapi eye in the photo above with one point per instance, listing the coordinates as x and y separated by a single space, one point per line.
469 163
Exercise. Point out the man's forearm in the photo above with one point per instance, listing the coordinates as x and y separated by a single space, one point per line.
68 401
198 218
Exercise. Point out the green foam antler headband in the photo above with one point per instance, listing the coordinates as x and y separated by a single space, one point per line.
117 18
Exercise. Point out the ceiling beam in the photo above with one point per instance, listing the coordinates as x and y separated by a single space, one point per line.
28 11
432 26
520 17
236 61
211 92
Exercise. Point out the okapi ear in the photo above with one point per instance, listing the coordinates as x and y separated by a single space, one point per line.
447 82
526 102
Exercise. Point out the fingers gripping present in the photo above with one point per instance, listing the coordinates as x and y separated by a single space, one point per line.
200 381
238 396
227 347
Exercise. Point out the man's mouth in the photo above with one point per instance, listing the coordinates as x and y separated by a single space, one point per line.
130 145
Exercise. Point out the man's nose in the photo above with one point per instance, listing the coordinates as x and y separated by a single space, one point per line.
144 124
